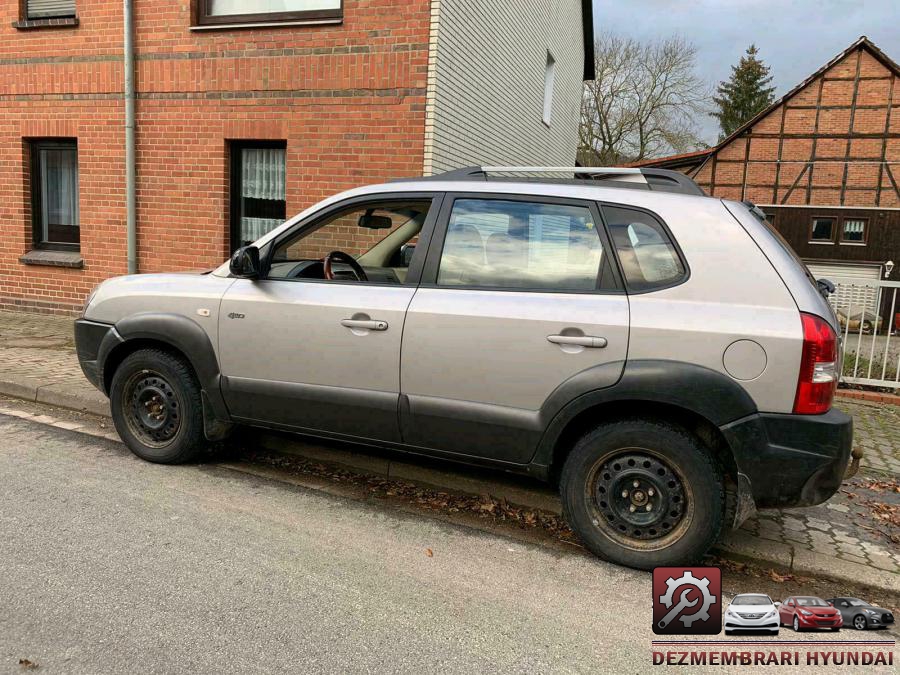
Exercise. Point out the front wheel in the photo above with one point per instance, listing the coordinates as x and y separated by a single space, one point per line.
859 622
156 407
643 493
796 625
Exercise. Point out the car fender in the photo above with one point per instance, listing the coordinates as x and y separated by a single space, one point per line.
182 333
702 391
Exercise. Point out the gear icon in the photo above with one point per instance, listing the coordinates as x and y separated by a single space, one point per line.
688 579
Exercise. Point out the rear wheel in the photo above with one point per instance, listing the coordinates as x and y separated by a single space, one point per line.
156 407
643 493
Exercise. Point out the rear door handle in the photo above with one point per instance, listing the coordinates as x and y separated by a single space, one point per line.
369 324
579 340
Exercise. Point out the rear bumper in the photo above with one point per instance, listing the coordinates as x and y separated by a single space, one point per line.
791 460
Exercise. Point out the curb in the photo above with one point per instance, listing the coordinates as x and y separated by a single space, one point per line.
59 395
871 396
518 490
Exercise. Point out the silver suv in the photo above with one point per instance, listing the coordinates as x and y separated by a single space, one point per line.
661 355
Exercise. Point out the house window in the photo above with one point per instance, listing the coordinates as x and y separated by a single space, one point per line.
257 190
549 77
853 231
54 188
267 11
49 9
822 231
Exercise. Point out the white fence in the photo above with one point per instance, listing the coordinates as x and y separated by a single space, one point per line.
868 313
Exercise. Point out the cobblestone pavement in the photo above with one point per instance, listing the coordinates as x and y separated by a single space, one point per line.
38 350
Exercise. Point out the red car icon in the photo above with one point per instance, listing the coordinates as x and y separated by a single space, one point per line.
805 612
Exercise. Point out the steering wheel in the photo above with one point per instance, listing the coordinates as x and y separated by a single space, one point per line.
348 260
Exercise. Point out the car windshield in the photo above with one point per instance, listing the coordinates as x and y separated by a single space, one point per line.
752 600
857 603
811 602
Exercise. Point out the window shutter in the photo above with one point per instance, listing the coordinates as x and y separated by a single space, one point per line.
45 9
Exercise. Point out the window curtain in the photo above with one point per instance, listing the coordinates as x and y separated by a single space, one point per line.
59 190
854 226
262 177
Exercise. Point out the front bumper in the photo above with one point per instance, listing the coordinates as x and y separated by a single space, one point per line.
791 460
742 623
93 343
820 622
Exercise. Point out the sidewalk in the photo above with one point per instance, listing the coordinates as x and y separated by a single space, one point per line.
855 535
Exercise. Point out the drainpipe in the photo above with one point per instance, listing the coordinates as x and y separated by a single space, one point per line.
130 182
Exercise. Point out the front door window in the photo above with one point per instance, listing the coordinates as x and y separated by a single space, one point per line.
374 238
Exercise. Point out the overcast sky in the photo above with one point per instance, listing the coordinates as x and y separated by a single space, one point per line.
795 37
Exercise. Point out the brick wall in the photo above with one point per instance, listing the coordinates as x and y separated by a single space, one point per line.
348 99
845 121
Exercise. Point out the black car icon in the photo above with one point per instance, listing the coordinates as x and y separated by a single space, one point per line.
860 614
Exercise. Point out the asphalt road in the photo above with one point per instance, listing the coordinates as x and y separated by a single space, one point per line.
112 565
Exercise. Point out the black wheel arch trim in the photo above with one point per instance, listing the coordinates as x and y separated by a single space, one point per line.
702 391
183 334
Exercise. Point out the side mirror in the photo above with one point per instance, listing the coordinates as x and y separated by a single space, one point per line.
778 604
406 254
245 262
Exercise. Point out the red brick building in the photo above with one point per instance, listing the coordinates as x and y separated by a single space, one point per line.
243 119
823 162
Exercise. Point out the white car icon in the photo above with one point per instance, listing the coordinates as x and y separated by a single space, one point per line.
751 611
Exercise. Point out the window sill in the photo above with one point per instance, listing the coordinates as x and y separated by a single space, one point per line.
265 24
69 259
822 243
31 24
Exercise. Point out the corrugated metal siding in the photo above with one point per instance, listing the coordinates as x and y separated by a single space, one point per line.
486 83
42 9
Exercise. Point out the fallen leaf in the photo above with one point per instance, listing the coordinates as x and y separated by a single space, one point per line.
429 552
28 665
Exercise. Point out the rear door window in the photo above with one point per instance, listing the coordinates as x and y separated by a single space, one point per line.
646 252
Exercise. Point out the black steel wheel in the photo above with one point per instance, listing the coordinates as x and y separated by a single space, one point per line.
639 496
156 407
643 493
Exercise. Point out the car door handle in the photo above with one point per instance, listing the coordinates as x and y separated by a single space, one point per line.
369 324
579 340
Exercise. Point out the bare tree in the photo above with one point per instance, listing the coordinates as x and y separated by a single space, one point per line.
643 102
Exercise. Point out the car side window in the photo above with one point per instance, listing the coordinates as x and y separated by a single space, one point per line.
378 236
506 244
648 256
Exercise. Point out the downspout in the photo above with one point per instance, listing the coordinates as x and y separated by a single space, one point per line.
130 181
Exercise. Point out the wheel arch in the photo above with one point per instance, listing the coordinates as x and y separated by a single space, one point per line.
174 333
694 397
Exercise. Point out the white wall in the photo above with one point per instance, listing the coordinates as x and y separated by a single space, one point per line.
486 83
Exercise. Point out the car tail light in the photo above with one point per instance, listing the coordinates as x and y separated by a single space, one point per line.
818 368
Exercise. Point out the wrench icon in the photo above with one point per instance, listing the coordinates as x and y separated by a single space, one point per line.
680 605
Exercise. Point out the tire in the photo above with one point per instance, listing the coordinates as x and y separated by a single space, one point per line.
729 632
796 625
618 469
157 408
860 622
835 629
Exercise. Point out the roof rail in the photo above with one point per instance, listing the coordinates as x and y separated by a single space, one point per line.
663 180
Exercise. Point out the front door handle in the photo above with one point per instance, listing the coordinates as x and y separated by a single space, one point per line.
578 340
368 324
